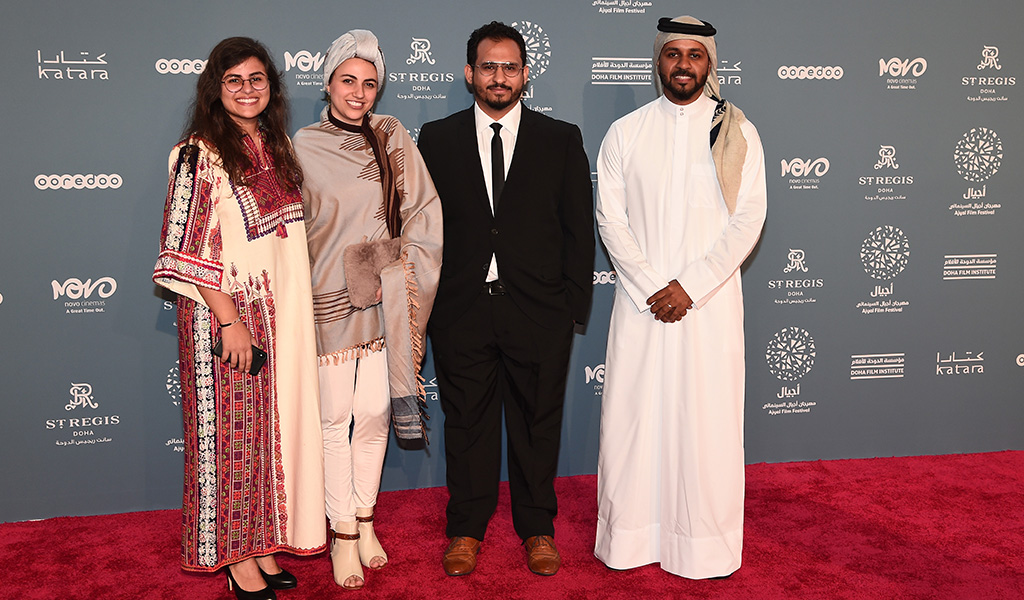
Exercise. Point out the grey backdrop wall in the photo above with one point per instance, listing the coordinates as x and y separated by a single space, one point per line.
882 304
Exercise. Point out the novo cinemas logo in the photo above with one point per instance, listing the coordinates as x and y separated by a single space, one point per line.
800 167
830 72
304 61
75 288
902 67
79 181
594 373
180 66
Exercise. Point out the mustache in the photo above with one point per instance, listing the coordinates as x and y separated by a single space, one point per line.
499 86
677 72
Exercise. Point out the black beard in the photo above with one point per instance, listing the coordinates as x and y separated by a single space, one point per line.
679 93
503 104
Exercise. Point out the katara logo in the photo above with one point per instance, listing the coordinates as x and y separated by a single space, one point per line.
887 158
594 373
978 154
900 67
538 47
790 354
990 58
81 396
796 261
885 252
420 52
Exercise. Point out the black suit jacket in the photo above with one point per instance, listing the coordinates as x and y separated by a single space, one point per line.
543 232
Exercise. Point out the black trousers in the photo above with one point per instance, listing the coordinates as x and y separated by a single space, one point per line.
494 357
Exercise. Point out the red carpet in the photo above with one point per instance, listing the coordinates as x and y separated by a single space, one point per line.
930 527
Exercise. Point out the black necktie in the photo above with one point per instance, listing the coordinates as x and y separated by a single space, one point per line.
497 166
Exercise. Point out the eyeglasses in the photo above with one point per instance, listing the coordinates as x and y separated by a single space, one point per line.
235 84
510 69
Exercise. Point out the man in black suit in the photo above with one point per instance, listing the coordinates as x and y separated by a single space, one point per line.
517 276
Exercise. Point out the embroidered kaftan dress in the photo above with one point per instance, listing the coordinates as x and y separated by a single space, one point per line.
253 452
670 464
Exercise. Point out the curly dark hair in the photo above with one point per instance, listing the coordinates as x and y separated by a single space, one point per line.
210 121
495 31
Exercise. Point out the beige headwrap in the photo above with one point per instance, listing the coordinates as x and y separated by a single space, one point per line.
664 37
358 43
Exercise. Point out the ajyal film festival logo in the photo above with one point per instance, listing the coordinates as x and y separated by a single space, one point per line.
425 84
77 429
885 253
538 55
988 81
173 385
978 155
790 356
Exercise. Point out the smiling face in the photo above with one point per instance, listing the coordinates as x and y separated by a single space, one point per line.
353 90
246 105
496 93
683 67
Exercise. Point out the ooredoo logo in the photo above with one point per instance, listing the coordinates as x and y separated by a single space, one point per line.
830 72
79 181
604 277
180 66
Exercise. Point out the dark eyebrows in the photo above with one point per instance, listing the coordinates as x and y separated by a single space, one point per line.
250 74
351 76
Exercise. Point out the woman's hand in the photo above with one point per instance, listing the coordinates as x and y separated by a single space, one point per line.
236 343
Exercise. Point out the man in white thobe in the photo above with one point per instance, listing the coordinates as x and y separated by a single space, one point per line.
680 205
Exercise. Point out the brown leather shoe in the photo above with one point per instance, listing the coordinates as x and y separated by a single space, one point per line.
460 557
541 555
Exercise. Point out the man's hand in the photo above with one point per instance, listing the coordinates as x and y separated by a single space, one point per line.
670 303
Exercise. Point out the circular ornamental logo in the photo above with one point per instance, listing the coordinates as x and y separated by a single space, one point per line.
790 354
174 384
538 47
978 154
885 252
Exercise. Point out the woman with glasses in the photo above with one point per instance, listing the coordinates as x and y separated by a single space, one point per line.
233 247
373 221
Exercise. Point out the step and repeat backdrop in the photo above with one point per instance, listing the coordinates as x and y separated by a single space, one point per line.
882 303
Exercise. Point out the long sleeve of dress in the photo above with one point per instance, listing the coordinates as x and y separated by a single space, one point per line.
190 248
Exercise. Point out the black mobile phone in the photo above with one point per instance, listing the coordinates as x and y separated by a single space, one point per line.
259 357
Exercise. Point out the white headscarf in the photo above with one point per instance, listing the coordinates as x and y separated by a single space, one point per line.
358 43
711 88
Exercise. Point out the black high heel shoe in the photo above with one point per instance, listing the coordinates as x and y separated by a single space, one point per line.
264 594
281 581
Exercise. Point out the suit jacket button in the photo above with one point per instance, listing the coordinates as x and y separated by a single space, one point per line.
494 232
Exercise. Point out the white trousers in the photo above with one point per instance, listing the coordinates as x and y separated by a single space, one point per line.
355 411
